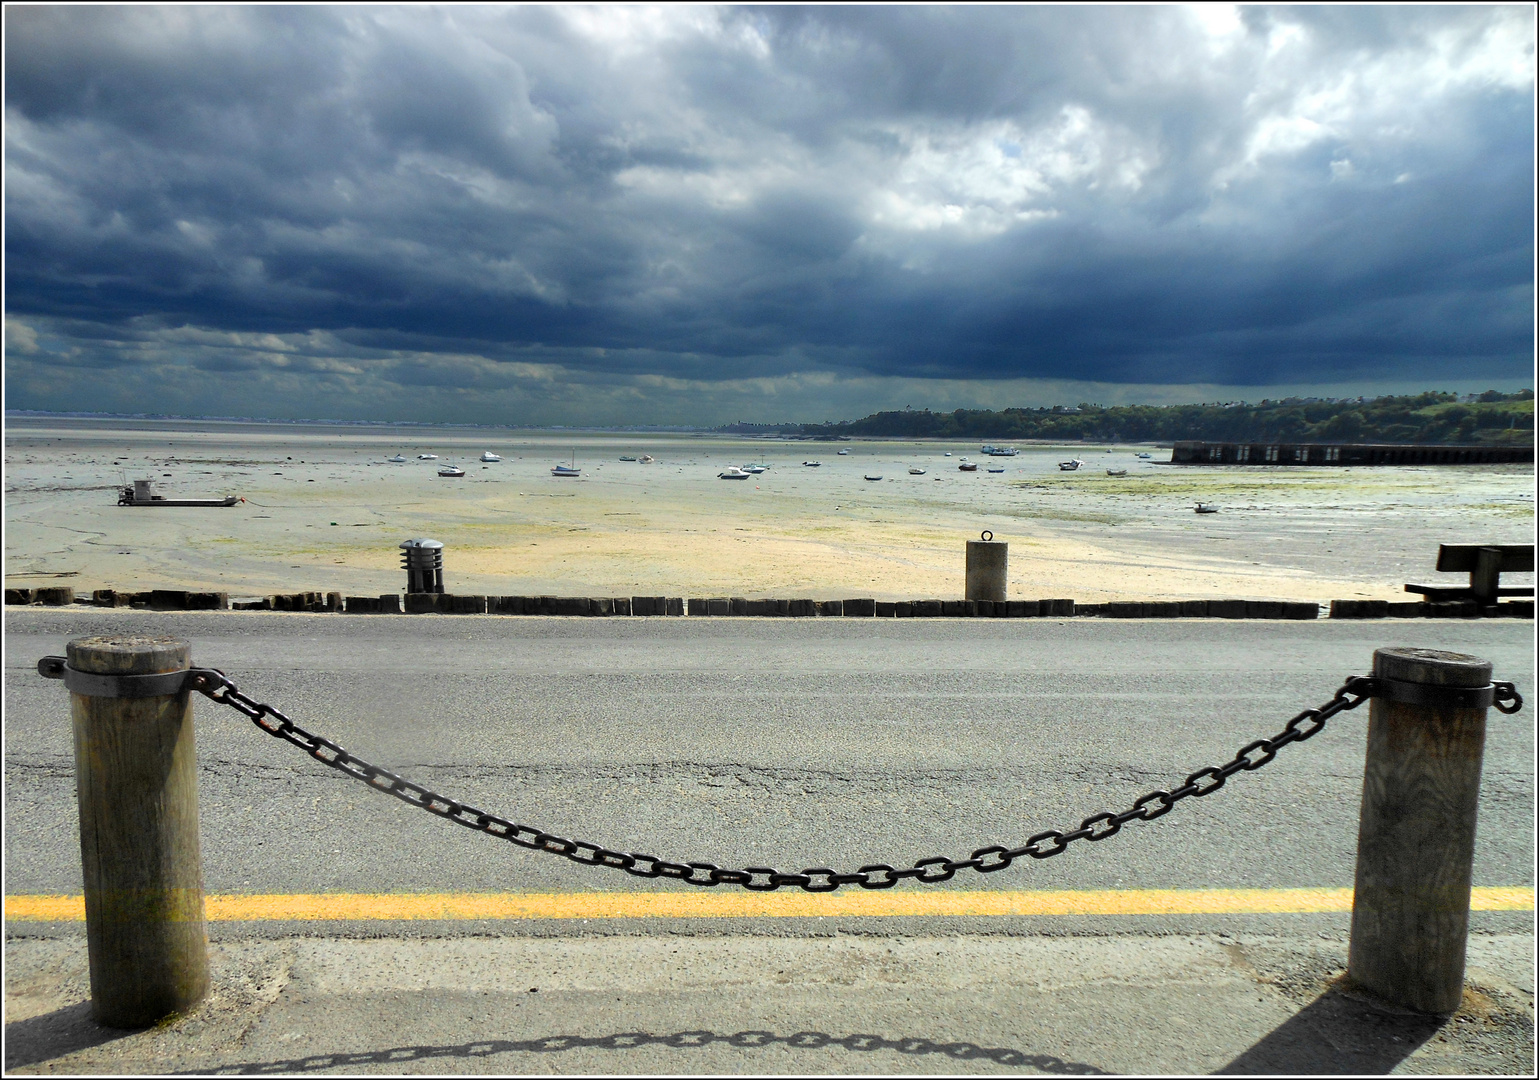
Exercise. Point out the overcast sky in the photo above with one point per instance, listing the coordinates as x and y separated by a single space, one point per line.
688 215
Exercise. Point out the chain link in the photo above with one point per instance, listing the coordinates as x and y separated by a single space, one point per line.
986 860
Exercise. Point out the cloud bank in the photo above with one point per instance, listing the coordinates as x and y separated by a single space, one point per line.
688 215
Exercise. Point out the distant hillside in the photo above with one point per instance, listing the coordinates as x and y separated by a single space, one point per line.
1490 419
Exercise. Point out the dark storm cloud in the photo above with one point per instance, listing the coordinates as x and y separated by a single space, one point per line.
1119 195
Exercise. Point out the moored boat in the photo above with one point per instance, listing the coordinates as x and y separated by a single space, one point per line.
1116 472
732 473
915 470
646 459
397 458
873 478
1206 508
427 457
143 493
626 457
967 466
449 471
844 453
487 455
812 464
996 468
1071 465
566 470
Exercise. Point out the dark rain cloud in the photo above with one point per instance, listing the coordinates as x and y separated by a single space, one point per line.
1123 195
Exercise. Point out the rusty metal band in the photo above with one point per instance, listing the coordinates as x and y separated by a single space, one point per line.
91 684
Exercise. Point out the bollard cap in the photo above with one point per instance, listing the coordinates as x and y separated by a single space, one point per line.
1431 667
421 544
129 654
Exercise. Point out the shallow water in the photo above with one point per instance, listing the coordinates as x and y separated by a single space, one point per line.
324 510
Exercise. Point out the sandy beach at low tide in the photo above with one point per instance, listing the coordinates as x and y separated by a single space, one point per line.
325 510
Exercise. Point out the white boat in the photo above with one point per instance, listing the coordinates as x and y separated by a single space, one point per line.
450 471
427 457
812 464
626 457
1000 451
397 458
487 455
143 493
1070 466
646 459
915 470
1146 457
1206 508
873 478
843 453
732 473
948 453
1116 472
967 466
755 469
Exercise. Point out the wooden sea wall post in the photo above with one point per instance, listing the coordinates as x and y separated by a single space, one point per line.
988 564
1416 833
137 784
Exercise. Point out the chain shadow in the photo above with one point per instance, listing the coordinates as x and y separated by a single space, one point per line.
1337 1034
54 1034
681 1040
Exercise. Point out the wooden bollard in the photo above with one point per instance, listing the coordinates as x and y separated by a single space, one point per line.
1416 832
137 785
987 568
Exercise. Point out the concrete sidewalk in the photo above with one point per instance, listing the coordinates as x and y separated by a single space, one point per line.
744 1004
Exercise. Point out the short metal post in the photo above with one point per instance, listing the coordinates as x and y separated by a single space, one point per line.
1416 833
987 568
137 785
423 561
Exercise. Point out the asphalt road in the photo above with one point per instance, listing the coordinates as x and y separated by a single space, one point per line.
791 743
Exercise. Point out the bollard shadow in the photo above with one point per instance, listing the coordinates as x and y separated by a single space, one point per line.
1339 1033
634 1040
63 1031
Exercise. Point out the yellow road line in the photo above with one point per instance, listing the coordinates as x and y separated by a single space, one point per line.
700 905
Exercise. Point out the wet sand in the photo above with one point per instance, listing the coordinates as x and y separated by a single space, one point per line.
325 510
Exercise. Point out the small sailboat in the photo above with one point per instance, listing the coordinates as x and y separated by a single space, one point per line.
449 471
427 457
567 470
732 473
487 455
1116 472
915 470
398 458
812 464
873 479
1071 465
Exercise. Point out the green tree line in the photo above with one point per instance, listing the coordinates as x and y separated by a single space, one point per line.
1491 418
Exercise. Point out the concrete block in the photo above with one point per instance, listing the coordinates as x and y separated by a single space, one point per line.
903 609
421 603
1162 609
885 609
1378 609
468 605
571 605
56 595
1301 610
739 605
333 601
800 609
1518 609
759 607
99 597
698 607
1061 607
165 599
1468 609
601 606
831 607
1124 609
622 605
211 601
675 605
1089 609
1226 609
389 604
1022 609
1263 609
864 607
927 609
1194 609
1407 609
985 608
504 605
139 600
361 605
20 596
718 605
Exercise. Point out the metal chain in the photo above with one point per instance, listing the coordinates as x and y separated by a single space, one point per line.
986 860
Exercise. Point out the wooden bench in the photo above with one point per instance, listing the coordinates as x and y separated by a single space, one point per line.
1485 564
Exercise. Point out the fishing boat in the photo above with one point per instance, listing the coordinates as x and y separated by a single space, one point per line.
646 459
1206 508
844 453
967 466
1000 451
812 464
487 455
873 479
754 469
626 457
449 471
996 468
1070 466
1116 472
427 457
143 493
398 458
732 473
915 470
